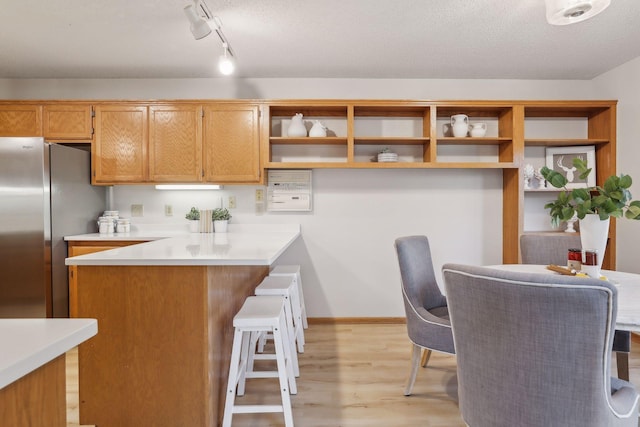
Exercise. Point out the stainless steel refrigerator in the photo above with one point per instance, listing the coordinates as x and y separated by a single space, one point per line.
45 194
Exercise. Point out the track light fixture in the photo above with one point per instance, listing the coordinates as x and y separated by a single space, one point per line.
563 12
199 15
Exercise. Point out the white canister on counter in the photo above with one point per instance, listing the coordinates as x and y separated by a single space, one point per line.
123 225
105 225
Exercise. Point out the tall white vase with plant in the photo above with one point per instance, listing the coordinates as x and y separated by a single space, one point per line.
594 206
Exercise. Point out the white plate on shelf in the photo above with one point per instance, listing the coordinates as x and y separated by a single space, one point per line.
387 157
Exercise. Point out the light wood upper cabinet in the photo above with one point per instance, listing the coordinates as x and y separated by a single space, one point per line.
119 154
175 143
67 122
20 120
231 143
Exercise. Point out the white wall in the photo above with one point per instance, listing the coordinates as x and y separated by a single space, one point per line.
347 255
623 83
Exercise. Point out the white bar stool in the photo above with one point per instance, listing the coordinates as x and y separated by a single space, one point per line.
294 271
260 315
285 286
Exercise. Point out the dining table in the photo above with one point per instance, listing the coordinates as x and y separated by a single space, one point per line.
627 284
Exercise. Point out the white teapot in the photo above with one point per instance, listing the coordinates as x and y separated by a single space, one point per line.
296 127
318 129
459 125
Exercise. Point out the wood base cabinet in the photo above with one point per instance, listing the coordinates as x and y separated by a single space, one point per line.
38 399
161 357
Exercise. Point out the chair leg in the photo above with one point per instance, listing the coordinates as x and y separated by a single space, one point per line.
622 361
415 360
426 355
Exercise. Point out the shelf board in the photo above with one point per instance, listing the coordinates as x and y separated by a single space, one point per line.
447 140
543 190
390 165
385 140
327 140
549 142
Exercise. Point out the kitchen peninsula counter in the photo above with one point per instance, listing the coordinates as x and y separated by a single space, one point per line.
257 245
165 309
32 368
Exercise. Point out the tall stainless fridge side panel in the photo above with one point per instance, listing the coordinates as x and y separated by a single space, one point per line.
75 207
23 260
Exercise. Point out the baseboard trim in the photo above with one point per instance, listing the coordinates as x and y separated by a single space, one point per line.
355 320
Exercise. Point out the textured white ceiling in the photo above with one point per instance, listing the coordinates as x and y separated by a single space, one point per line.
313 38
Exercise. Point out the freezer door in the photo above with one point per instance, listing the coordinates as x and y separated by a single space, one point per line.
24 278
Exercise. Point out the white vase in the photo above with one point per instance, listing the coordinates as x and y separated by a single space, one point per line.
220 226
296 127
593 236
194 225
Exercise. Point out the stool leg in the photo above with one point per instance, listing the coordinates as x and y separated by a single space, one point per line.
288 353
303 308
291 335
281 349
244 362
262 341
233 378
297 320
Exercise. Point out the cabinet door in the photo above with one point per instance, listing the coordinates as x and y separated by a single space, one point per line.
175 143
83 248
20 120
120 150
67 122
231 143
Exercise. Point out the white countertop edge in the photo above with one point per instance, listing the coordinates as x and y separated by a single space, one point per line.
158 253
158 232
69 334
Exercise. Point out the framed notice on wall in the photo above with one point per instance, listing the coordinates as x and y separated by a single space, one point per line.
289 191
560 159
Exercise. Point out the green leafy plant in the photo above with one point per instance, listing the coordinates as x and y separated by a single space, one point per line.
221 214
193 214
613 199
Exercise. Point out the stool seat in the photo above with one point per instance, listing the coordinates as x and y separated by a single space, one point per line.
293 271
285 286
259 312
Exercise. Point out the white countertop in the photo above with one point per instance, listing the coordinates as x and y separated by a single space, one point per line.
242 245
28 344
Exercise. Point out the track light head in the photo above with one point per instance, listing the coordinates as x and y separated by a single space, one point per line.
199 27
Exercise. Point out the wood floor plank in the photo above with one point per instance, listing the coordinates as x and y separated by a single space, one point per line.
353 375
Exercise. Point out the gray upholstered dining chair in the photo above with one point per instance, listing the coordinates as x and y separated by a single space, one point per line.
551 248
425 306
528 355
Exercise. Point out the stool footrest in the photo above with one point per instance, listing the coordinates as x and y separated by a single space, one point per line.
254 409
261 374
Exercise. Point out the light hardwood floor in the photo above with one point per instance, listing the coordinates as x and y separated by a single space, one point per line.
353 375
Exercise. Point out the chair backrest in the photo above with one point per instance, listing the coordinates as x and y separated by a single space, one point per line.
425 306
532 349
549 248
419 283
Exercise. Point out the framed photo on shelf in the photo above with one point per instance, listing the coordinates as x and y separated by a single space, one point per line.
560 159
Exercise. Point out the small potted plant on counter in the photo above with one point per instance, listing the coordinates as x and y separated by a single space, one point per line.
194 220
221 217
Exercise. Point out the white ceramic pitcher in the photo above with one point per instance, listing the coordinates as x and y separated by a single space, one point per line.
459 125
